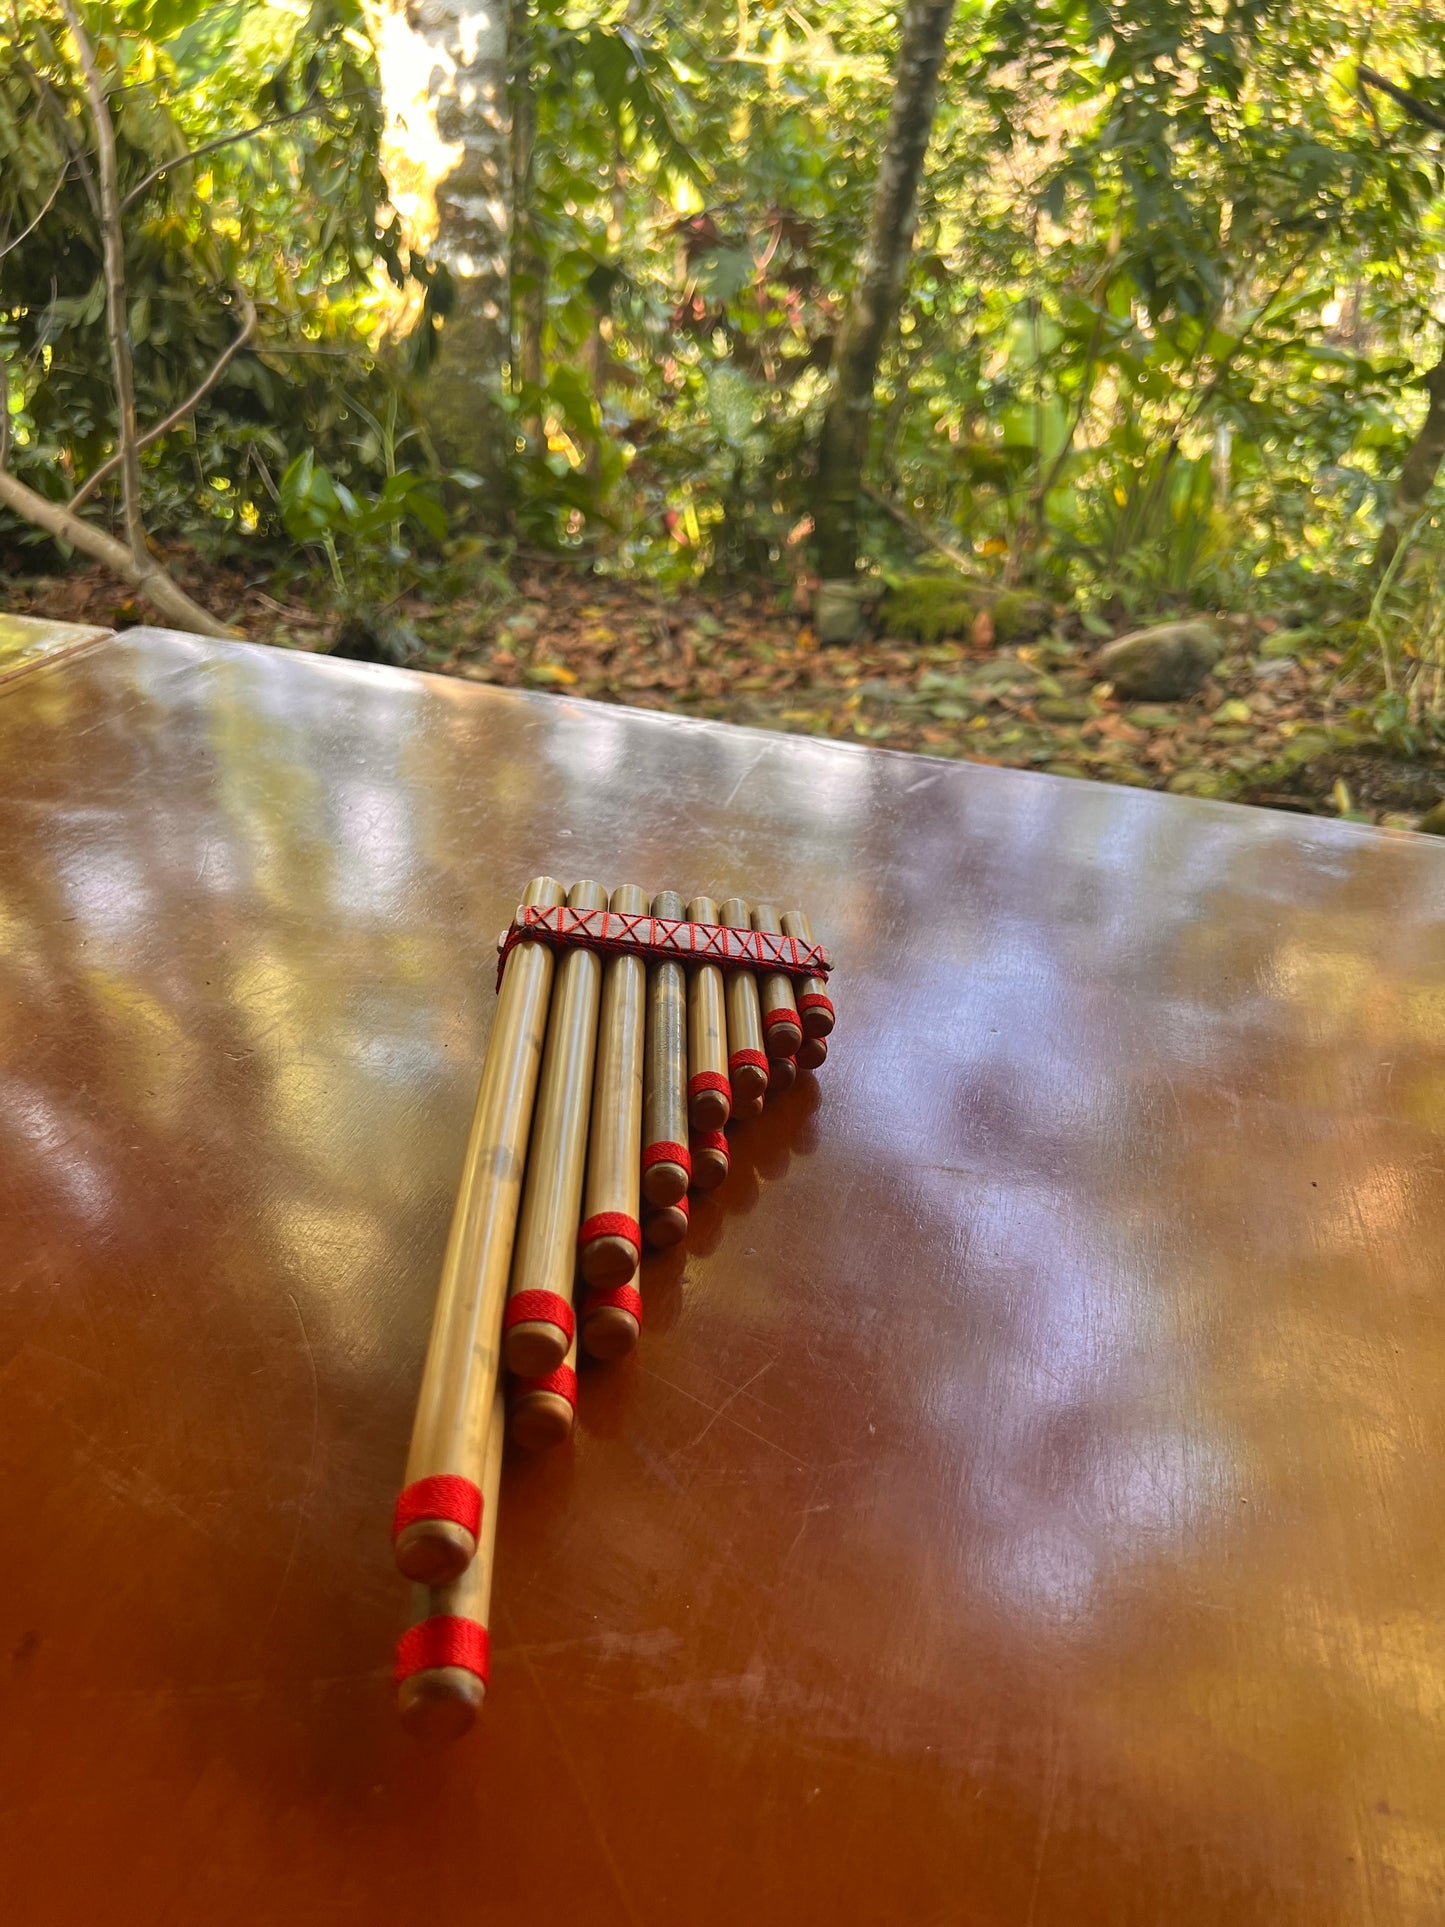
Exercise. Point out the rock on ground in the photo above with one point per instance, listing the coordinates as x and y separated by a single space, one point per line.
1164 664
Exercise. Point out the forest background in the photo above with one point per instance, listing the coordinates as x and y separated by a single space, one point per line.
853 369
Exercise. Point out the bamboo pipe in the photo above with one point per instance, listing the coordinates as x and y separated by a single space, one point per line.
782 1031
812 1052
665 1163
815 1006
747 1063
545 1409
782 1075
441 1663
666 1226
710 1159
538 1324
709 1093
435 1527
610 1241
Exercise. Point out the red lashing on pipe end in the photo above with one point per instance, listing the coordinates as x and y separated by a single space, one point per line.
784 1016
709 1081
563 1382
444 1496
815 1000
622 1297
611 1224
711 1141
443 1641
754 1057
664 1152
541 1308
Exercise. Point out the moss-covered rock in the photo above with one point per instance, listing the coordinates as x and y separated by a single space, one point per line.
930 608
1018 617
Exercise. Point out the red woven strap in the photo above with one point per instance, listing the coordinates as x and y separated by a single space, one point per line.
443 1641
709 1081
664 1152
563 1382
622 1297
610 1224
815 1000
616 932
781 1016
539 1308
446 1495
754 1057
711 1141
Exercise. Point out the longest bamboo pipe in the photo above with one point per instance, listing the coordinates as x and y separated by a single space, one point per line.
442 1661
441 1508
539 1321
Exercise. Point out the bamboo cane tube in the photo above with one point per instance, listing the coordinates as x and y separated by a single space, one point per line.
815 1007
610 1241
812 1052
749 1108
666 1226
710 1159
441 1664
544 1409
782 1075
747 1064
709 1093
782 1030
448 1440
608 1256
538 1323
665 1162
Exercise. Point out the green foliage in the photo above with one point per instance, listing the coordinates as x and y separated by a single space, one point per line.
929 608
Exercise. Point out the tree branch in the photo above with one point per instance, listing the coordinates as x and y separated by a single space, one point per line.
1416 108
920 534
61 178
159 589
182 409
209 147
113 260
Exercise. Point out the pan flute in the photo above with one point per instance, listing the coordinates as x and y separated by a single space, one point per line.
630 1034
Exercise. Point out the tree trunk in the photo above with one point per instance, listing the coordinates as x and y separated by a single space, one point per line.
529 265
1417 472
448 161
843 444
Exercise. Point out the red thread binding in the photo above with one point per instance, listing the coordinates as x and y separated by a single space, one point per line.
563 1382
443 1641
613 931
623 1297
754 1057
815 1000
711 1141
611 1224
664 1152
539 1307
783 1016
709 1081
446 1495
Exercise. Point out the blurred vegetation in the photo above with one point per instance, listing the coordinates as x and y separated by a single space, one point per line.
1165 343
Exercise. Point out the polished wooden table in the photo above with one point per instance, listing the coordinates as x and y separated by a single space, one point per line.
1025 1507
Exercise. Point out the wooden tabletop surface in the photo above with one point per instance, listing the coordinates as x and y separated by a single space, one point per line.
1025 1507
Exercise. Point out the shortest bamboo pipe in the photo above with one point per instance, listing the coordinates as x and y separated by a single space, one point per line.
544 1409
709 1093
442 1661
782 1030
747 1062
815 1006
812 1052
665 1167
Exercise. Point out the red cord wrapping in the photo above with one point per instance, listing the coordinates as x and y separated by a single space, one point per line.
665 1152
781 1016
443 1641
754 1057
711 1141
446 1495
563 1382
610 1224
622 1297
541 1308
815 1000
709 1081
